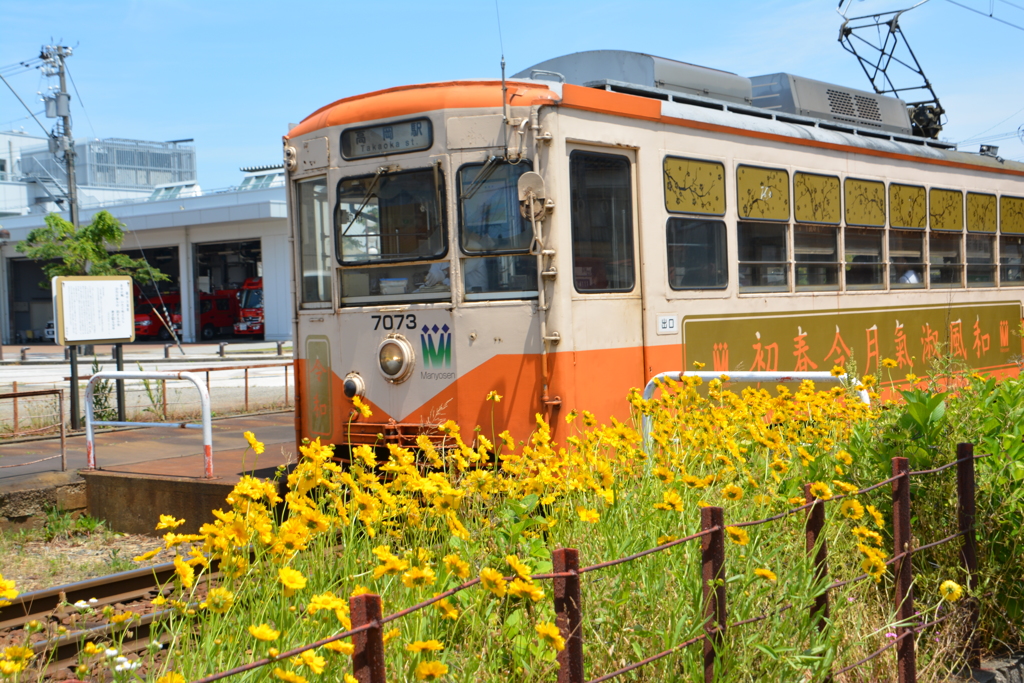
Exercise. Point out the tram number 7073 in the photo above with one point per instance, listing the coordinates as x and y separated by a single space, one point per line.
394 322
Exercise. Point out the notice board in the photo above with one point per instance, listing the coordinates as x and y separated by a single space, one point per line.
93 309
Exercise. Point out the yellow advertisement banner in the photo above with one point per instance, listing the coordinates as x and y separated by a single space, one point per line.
981 335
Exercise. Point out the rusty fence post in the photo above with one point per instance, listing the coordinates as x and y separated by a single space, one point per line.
163 397
63 432
569 614
15 390
817 546
286 386
906 663
368 656
712 550
965 493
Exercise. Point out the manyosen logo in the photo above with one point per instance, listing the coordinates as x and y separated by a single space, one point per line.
436 355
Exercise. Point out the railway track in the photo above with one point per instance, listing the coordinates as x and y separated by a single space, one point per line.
55 607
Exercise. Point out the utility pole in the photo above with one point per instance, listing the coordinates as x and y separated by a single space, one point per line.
60 107
54 56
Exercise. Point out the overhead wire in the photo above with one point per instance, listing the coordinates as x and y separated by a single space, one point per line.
81 102
990 16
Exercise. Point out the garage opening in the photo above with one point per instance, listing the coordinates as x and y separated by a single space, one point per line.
229 289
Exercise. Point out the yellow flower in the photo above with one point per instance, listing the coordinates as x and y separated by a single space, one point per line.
865 534
874 566
844 457
169 522
838 371
493 396
219 600
821 491
171 677
263 632
288 676
417 576
586 515
457 566
767 574
851 509
446 609
732 492
519 567
7 591
257 446
876 516
951 591
363 409
310 660
430 671
665 474
493 581
19 654
670 501
697 365
149 555
421 645
184 571
737 535
359 590
93 649
667 538
341 647
525 589
549 633
273 653
391 635
366 454
291 579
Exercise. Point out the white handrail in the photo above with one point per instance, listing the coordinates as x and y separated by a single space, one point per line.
744 376
204 400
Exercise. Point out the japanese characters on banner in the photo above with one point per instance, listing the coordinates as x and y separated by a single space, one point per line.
985 336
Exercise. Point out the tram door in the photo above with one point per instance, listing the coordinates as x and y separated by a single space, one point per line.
607 314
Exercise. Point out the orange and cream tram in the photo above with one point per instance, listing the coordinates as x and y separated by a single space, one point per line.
565 235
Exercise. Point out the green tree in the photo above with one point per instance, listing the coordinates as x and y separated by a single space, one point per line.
68 251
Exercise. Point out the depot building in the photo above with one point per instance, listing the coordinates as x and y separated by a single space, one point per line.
212 245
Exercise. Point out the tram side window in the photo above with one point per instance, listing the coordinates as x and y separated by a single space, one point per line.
493 234
602 222
816 257
314 240
864 266
981 260
906 258
1011 260
696 254
945 253
763 257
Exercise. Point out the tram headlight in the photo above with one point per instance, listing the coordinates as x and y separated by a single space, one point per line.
395 358
354 385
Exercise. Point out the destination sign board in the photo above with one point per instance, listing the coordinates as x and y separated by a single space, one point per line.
391 138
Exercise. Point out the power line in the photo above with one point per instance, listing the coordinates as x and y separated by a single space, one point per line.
80 101
971 139
46 132
1007 2
990 16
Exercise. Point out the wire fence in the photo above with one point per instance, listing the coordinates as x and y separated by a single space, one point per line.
45 413
234 389
368 622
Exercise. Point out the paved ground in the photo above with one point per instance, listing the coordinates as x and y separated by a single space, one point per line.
161 451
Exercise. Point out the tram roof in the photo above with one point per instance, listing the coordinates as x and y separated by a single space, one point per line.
652 104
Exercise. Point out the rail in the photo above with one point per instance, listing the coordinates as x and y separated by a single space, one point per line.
742 376
59 393
90 421
368 622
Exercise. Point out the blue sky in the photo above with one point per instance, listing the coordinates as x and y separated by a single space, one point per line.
232 75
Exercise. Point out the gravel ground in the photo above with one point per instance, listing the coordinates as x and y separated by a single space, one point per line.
34 563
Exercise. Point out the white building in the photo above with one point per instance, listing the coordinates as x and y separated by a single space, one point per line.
204 241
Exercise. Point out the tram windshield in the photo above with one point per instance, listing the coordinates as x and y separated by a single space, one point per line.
390 217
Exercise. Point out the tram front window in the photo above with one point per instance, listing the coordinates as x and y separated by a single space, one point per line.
390 217
493 234
383 222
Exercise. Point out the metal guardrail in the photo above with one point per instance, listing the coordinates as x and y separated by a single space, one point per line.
59 393
743 376
204 399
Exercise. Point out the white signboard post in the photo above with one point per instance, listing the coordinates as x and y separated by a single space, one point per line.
93 309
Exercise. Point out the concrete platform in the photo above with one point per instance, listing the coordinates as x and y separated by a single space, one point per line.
142 472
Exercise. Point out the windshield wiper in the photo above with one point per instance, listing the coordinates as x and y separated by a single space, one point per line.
488 168
366 198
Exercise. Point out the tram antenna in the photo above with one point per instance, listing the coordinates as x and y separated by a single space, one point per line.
504 88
